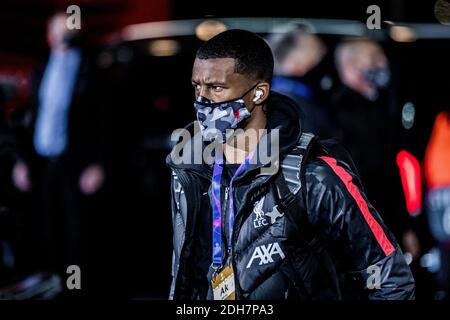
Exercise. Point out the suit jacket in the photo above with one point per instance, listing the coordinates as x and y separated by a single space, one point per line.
87 130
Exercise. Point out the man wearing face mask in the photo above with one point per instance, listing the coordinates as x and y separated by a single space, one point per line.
365 112
304 230
303 73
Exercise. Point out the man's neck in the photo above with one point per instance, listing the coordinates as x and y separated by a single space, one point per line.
238 148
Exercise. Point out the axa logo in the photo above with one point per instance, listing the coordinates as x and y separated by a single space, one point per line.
265 253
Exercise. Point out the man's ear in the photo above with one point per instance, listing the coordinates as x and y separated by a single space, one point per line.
261 93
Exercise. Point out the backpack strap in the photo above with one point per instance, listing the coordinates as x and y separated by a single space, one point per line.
291 165
288 184
290 181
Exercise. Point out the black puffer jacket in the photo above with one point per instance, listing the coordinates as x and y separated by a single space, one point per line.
324 242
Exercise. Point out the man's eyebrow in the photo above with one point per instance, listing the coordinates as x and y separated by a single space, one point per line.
211 83
215 83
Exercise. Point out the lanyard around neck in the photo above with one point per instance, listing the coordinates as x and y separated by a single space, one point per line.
217 254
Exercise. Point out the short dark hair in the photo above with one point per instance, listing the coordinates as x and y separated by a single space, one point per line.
251 52
282 43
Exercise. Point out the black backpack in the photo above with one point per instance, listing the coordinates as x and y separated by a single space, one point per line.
291 181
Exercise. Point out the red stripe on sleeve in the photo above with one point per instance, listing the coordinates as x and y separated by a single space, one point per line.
374 226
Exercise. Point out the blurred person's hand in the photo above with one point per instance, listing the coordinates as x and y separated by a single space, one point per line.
91 179
411 244
21 177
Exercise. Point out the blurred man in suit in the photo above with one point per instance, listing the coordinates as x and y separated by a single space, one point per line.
366 113
60 154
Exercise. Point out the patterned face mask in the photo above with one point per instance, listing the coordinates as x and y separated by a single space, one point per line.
217 118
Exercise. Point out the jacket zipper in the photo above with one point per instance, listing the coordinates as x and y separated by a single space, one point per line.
230 251
226 214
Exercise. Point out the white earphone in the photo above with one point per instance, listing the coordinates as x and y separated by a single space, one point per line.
259 93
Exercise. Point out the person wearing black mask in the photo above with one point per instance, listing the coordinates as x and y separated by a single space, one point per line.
303 73
364 109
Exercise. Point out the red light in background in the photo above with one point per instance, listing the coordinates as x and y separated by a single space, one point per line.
409 168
